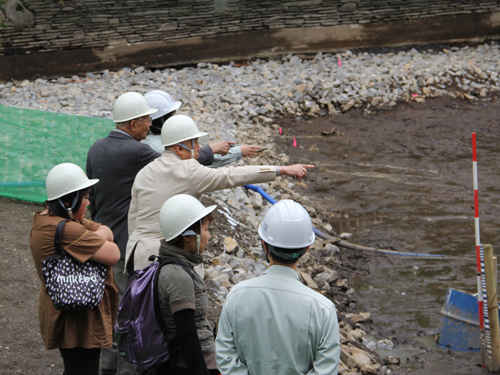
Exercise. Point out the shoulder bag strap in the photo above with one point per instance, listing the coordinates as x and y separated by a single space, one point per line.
165 261
57 237
162 262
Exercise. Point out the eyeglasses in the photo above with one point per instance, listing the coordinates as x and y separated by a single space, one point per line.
148 119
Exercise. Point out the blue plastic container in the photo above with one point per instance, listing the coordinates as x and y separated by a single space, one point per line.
459 326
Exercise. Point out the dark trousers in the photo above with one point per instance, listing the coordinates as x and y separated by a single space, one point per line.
81 361
112 362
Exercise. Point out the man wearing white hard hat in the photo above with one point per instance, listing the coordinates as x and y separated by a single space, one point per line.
274 324
214 155
177 172
115 161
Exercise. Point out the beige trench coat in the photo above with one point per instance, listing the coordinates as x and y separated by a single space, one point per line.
168 176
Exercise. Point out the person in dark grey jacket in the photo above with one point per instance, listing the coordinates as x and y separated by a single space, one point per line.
115 161
183 297
224 152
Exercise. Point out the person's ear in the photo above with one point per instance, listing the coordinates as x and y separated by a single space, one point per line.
133 125
307 248
266 248
187 240
179 150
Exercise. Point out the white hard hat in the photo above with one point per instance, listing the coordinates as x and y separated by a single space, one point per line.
66 178
129 106
179 128
179 213
161 101
287 225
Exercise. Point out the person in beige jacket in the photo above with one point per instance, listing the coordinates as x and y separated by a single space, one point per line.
178 172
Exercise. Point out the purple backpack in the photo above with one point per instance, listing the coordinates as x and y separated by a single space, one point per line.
139 329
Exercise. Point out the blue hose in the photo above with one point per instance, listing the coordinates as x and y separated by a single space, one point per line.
271 200
261 191
325 236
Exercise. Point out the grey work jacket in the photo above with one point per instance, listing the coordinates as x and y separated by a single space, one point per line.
274 324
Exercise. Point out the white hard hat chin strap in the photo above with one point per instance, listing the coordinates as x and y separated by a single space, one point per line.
187 148
73 204
198 237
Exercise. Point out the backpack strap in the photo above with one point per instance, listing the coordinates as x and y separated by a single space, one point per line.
164 262
57 237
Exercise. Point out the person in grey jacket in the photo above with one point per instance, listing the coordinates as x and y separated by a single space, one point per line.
183 298
222 152
274 324
115 160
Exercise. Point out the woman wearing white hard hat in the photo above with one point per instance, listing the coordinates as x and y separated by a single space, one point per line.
214 155
183 297
79 335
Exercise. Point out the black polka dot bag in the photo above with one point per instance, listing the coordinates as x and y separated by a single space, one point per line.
72 285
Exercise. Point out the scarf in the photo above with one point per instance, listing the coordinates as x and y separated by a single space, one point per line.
175 252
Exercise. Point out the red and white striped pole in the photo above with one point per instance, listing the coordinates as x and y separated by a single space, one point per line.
481 284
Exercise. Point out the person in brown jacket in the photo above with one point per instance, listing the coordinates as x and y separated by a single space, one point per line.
79 335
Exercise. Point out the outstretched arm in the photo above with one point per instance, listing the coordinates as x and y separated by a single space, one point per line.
221 147
233 155
206 156
249 150
296 170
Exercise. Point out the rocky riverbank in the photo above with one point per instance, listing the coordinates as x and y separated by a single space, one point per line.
240 101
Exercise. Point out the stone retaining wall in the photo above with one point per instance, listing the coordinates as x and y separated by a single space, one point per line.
115 32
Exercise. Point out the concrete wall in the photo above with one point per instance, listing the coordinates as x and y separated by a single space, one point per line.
45 37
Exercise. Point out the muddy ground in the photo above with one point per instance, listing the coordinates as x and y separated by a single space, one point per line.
399 178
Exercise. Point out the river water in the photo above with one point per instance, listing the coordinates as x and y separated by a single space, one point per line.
401 179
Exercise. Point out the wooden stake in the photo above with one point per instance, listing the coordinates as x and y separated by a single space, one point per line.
496 270
491 291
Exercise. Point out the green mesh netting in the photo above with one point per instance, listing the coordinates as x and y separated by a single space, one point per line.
32 142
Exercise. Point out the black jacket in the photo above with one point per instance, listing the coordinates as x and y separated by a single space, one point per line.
115 161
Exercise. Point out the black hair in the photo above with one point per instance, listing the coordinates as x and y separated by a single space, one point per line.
287 261
196 227
157 124
55 208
